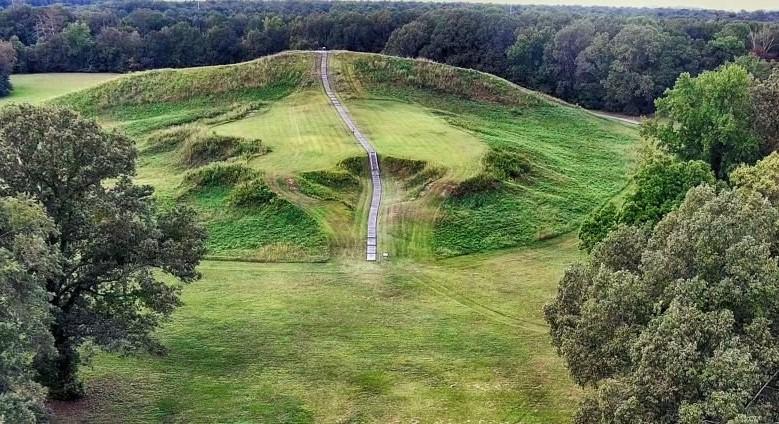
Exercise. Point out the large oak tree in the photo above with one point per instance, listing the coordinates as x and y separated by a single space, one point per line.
115 246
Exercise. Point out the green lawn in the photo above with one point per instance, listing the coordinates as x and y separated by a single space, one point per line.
410 131
37 88
303 132
458 341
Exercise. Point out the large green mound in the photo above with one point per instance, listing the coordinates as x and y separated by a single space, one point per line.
472 162
544 164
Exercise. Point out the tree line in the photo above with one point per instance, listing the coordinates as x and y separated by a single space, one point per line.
613 59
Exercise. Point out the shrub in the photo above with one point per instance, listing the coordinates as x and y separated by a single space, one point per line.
401 168
203 148
170 138
338 178
507 164
598 225
357 165
215 175
478 184
196 145
251 193
660 186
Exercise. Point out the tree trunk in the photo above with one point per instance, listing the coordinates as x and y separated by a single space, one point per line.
59 371
716 161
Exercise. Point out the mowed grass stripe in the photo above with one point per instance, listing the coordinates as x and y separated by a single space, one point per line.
302 131
343 342
409 131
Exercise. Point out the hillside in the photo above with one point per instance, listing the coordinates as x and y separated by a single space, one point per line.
472 162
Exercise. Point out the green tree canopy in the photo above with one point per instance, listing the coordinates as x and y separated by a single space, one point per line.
561 54
113 244
709 118
680 323
659 187
26 261
526 56
765 99
762 177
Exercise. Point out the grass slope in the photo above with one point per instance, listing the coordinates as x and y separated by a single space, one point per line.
223 100
462 123
567 161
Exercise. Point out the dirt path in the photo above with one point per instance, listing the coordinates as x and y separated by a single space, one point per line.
632 120
346 117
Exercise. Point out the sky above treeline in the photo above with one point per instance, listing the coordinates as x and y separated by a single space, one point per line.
698 4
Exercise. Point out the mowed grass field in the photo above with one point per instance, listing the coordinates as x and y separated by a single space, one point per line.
302 131
408 131
36 88
483 184
349 342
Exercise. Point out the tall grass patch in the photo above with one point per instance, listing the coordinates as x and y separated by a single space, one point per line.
245 219
418 74
178 85
341 184
217 175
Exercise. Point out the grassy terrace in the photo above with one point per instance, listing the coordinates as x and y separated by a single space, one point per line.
481 180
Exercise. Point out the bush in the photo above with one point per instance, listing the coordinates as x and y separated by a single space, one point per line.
251 193
597 226
338 178
203 148
660 186
216 175
507 164
197 145
481 183
401 168
170 138
357 165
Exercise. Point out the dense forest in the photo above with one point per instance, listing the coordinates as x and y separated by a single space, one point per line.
615 59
